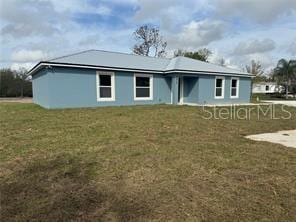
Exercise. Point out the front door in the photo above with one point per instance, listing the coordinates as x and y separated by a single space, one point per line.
180 90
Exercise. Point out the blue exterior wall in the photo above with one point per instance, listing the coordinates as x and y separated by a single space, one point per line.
190 91
174 87
200 89
206 92
41 89
73 87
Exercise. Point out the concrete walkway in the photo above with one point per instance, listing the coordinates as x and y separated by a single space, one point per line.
284 102
286 138
16 100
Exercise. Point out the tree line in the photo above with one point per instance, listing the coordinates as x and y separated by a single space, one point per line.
15 83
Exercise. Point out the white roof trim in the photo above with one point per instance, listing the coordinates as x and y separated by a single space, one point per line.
42 64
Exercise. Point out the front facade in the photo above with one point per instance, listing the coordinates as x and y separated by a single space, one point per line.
68 85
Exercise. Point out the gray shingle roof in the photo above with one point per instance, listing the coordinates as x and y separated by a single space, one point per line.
99 58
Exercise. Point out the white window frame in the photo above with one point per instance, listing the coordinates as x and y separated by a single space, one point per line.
237 88
150 87
223 87
112 98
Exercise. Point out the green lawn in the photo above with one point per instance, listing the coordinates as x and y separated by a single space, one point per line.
142 163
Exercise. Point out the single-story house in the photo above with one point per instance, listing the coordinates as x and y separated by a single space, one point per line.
100 78
267 88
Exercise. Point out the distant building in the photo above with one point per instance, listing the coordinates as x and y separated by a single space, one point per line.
267 87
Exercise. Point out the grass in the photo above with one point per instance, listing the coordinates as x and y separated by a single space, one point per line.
142 163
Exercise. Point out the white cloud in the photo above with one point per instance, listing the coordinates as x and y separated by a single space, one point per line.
89 40
265 60
254 46
199 33
216 58
26 18
168 14
263 11
292 48
103 10
18 66
80 6
27 55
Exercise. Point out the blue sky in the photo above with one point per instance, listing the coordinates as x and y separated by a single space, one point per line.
236 30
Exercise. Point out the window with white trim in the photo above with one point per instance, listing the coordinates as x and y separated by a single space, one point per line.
143 87
234 87
219 87
105 86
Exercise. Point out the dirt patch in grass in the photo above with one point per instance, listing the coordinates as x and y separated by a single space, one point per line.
140 164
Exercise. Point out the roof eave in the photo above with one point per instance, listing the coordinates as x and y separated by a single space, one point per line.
35 68
44 63
41 64
208 72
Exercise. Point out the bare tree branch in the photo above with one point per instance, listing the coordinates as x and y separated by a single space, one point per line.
149 39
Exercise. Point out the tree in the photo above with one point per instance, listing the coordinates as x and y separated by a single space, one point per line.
21 77
179 52
285 73
14 83
256 69
201 54
150 42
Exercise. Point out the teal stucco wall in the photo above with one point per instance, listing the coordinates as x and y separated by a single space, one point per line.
73 87
190 91
41 89
206 90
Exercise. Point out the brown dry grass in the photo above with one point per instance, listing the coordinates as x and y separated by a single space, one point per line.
142 163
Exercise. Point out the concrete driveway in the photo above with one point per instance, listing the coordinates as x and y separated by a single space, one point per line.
286 138
284 102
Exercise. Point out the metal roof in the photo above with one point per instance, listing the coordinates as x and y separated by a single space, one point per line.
124 61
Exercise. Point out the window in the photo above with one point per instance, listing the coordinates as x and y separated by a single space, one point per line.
143 87
219 88
105 86
234 88
267 88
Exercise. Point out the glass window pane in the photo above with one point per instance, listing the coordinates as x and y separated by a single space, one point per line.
218 82
218 91
142 81
105 80
234 83
105 92
142 92
233 92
